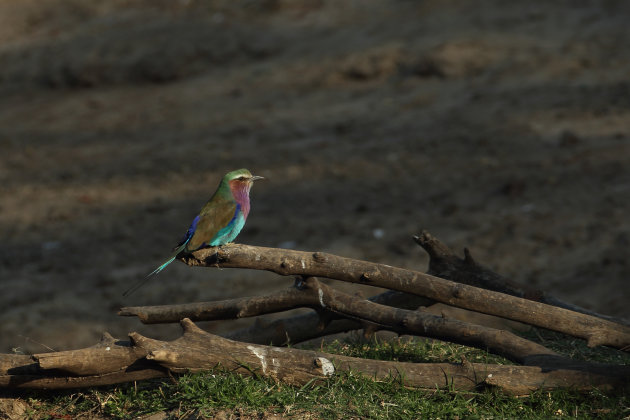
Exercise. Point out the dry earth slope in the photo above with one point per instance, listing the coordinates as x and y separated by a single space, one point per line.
501 127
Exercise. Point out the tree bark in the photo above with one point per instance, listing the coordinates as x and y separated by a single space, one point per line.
284 300
290 330
314 294
195 350
444 263
109 362
288 262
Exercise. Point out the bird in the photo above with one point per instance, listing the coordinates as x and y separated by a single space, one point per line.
219 222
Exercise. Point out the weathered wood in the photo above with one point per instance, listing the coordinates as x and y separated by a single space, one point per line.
424 324
105 357
284 300
314 294
280 332
444 263
288 262
17 363
299 328
47 382
198 350
109 362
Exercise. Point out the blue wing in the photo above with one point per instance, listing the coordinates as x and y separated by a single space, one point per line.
189 233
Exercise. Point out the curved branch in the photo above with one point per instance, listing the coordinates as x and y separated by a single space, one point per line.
312 293
404 321
288 262
446 264
284 300
294 329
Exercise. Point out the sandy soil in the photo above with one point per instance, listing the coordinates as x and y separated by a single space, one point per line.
503 129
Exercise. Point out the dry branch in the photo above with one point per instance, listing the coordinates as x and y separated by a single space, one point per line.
198 350
444 263
299 328
284 300
293 329
109 362
312 293
288 262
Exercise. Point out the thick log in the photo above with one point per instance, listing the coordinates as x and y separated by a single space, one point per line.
109 362
288 262
108 356
198 350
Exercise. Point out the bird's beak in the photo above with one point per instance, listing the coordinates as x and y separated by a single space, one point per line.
256 177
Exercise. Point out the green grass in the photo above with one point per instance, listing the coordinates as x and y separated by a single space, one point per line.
347 395
416 351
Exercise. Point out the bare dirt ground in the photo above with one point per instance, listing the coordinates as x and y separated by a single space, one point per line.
502 128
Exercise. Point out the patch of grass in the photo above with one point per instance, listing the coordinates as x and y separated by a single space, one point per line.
576 348
347 395
414 351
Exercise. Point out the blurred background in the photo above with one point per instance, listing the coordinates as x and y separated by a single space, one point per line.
502 127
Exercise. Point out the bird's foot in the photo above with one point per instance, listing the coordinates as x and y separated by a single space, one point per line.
216 257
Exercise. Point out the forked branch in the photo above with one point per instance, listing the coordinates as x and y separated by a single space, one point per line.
288 262
313 294
446 264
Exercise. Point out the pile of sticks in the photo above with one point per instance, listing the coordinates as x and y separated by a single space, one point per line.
450 280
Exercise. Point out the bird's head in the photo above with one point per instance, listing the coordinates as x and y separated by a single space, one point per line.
241 175
240 180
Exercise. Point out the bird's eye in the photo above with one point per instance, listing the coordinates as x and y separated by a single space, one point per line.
241 178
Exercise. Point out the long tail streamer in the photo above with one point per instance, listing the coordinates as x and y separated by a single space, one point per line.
141 282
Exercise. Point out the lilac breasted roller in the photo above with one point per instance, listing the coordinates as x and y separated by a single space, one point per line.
219 221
